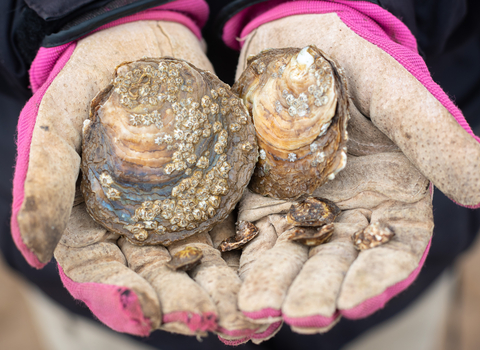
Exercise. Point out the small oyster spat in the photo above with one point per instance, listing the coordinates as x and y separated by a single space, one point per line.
246 231
167 151
313 212
311 236
298 100
372 236
185 259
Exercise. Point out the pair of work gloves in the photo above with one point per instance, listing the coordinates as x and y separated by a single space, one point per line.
404 135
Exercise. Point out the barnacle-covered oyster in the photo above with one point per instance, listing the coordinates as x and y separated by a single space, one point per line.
167 151
298 100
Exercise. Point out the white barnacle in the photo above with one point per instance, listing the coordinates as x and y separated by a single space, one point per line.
263 154
290 99
313 147
320 157
278 107
159 140
292 111
324 128
331 176
304 57
134 120
105 179
292 157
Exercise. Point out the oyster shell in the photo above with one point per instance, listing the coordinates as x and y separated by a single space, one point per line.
372 236
311 236
246 231
298 100
185 259
167 151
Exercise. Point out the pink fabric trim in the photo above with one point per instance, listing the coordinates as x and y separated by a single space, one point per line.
264 313
204 322
236 332
25 126
116 306
234 342
378 302
315 321
367 20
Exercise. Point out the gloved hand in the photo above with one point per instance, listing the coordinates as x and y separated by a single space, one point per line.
125 286
403 132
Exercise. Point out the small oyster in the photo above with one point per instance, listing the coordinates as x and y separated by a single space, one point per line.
246 231
310 236
185 259
167 151
313 212
298 100
372 236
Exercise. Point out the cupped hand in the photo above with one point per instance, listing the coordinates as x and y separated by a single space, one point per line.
402 136
127 287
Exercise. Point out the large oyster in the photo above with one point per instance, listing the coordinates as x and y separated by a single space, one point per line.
298 100
167 151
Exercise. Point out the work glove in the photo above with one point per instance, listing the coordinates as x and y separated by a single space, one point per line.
403 133
127 287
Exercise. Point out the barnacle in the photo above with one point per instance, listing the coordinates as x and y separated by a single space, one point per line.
298 101
167 151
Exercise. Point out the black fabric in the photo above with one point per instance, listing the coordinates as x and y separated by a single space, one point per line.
452 57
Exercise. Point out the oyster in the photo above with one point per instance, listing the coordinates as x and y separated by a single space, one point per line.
372 236
246 231
310 236
298 101
185 259
313 212
167 151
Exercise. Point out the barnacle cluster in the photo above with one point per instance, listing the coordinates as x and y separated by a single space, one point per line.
167 151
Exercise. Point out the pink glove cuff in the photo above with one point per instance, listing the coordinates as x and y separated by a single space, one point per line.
264 313
369 21
117 307
46 66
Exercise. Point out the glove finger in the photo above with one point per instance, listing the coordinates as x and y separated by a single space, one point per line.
94 270
380 273
401 105
186 307
270 273
51 123
310 306
222 285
